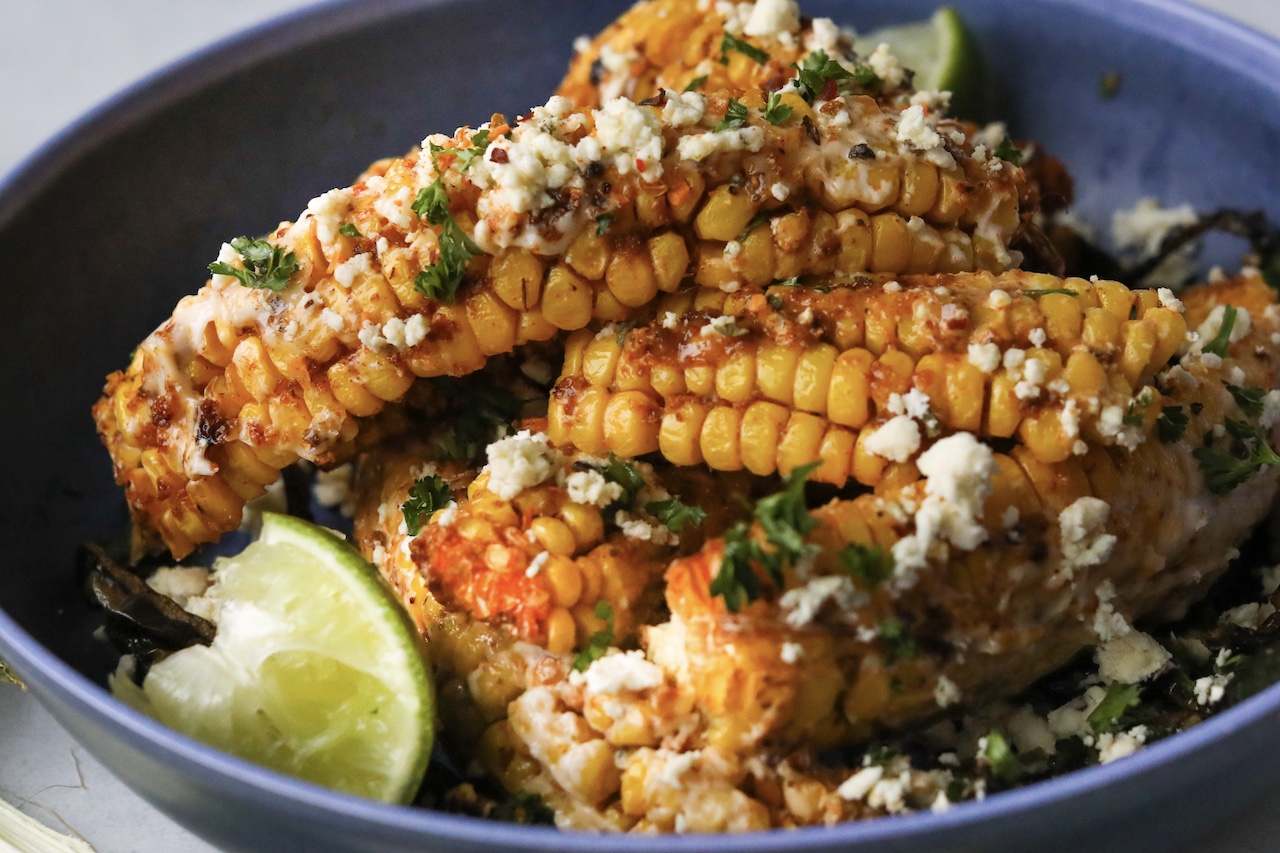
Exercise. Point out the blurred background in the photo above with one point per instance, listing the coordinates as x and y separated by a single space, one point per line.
63 57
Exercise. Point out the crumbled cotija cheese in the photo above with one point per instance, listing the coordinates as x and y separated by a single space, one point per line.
345 273
985 357
700 146
773 19
803 603
520 461
328 210
684 109
1084 540
632 134
592 488
1143 227
1131 658
896 440
620 671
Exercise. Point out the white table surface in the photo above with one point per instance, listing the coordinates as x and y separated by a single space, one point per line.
59 58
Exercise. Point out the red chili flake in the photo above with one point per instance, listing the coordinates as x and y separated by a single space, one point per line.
639 165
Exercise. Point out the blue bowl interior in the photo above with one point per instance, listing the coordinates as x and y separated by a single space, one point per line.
102 233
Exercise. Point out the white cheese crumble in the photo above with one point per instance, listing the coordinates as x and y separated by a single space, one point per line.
1143 227
1037 337
986 357
791 652
536 564
722 325
1084 540
892 286
857 786
896 440
347 271
779 191
520 461
328 210
1112 746
915 129
683 109
1168 300
803 603
945 692
1131 658
773 19
700 146
591 488
632 134
333 319
1211 689
617 672
998 299
887 66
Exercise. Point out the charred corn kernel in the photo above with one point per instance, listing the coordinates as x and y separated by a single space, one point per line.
856 241
586 429
554 536
631 423
725 214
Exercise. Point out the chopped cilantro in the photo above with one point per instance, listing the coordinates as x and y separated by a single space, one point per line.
676 514
486 409
1221 341
696 83
794 281
1136 415
776 112
737 581
347 229
599 642
621 329
426 496
1249 453
734 116
265 266
1119 698
895 641
784 517
1250 400
527 809
1172 423
868 563
479 144
440 280
817 69
1005 766
1064 291
603 221
1006 150
729 43
432 203
626 476
756 221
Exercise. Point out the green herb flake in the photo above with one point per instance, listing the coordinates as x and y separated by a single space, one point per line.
440 281
756 221
776 112
620 331
784 517
675 514
794 281
1221 341
347 229
432 203
599 642
895 641
696 83
1135 415
626 476
1119 698
868 563
427 496
817 69
734 116
1250 400
265 266
525 809
1172 423
603 221
1037 293
1004 764
737 581
479 144
731 43
1249 453
1006 150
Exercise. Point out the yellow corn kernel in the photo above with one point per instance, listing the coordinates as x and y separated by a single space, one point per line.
561 631
255 369
600 359
700 379
667 379
919 188
762 426
1139 338
755 261
735 380
813 378
588 254
495 322
953 197
1004 411
631 423
854 228
516 276
679 437
791 231
608 308
684 193
587 429
382 376
850 390
585 523
1058 485
868 468
800 442
891 374
351 392
1044 436
926 249
836 453
630 275
670 259
567 300
1101 330
725 214
720 439
1084 374
1115 298
652 210
554 536
776 370
824 244
565 580
1171 330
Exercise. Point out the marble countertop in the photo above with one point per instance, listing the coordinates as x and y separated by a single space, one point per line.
60 58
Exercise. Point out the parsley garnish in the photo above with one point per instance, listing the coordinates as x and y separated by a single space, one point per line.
1249 453
1005 766
897 644
599 642
479 144
621 329
1250 400
1222 340
696 83
426 496
734 116
868 563
603 221
756 221
1006 150
1119 698
1135 415
625 475
776 112
737 580
265 266
1172 423
784 517
817 69
349 230
729 43
1047 291
440 280
432 203
676 514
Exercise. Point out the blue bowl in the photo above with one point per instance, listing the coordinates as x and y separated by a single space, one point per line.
103 231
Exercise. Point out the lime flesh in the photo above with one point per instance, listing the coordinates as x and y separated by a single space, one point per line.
315 670
944 56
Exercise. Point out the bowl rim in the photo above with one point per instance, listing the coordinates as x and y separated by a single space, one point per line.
53 681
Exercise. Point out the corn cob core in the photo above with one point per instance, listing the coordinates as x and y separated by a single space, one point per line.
672 44
772 381
1020 565
577 216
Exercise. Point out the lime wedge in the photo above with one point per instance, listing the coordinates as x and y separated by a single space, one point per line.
315 670
944 56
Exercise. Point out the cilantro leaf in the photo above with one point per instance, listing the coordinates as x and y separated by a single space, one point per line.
426 496
697 83
1172 423
756 221
265 266
1048 290
737 581
776 112
1135 414
897 644
1221 341
479 144
1004 764
730 42
734 116
485 409
603 221
1250 400
626 476
432 203
817 69
784 517
1006 150
1249 453
1119 698
440 280
676 514
599 642
868 563
348 229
